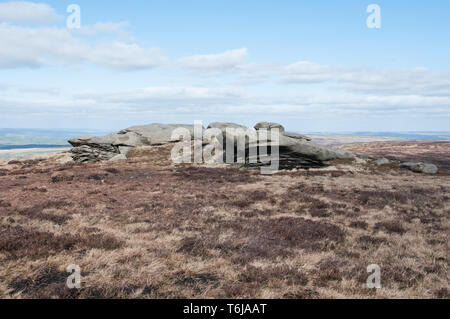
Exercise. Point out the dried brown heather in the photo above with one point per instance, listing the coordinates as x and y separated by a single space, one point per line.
144 228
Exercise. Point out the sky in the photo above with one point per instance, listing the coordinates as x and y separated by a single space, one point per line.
310 65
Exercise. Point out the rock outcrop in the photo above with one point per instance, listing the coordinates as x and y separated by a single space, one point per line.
93 149
295 150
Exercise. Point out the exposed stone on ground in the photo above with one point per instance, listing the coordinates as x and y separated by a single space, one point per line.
382 161
420 167
63 158
340 153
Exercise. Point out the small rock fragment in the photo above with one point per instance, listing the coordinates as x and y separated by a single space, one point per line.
382 161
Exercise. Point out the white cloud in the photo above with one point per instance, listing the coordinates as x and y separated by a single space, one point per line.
365 80
167 98
39 90
122 56
307 72
105 29
102 28
43 46
154 104
396 81
225 61
27 12
256 73
227 100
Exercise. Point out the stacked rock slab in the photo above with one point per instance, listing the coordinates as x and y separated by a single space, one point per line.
90 148
93 149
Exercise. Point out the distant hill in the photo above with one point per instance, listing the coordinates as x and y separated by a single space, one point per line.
38 138
31 146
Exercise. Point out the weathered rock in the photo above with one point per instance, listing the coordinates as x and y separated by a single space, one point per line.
297 136
93 149
382 161
420 167
94 152
63 158
268 126
305 155
90 148
156 134
224 125
295 150
88 140
430 169
128 139
126 149
340 153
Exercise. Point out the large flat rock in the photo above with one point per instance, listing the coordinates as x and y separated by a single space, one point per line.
156 134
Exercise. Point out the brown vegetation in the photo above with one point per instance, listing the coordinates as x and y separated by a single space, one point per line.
147 229
435 152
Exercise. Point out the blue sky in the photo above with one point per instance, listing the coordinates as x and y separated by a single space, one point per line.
311 65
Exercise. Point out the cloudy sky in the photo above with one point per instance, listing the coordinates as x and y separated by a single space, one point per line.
311 65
